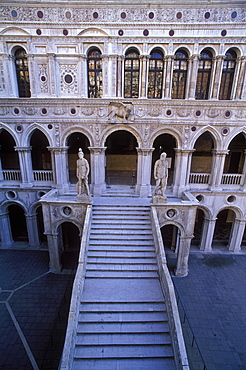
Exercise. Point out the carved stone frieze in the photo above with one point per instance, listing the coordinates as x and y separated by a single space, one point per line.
2 80
4 111
212 113
29 111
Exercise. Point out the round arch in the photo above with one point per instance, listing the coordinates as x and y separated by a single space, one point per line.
183 48
41 156
17 220
224 227
75 141
8 155
121 158
27 134
164 143
69 244
171 132
202 157
128 48
234 161
77 129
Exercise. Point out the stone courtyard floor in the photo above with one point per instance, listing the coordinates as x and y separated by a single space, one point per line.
34 305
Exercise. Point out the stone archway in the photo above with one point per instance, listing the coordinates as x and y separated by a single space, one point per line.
8 156
164 143
121 158
198 228
171 241
223 228
41 157
69 244
18 223
75 141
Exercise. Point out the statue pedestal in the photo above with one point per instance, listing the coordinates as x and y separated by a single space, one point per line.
159 199
83 198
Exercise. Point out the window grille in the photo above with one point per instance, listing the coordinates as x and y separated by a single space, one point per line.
204 75
155 77
227 75
131 74
179 75
22 74
94 68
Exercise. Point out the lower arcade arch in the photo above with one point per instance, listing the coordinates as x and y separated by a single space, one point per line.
41 157
8 155
17 221
164 143
223 228
121 158
69 244
198 228
171 240
75 141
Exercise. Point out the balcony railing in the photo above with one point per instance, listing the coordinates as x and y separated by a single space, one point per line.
232 179
43 175
11 175
199 178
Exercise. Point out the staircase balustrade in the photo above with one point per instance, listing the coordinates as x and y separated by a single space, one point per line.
180 354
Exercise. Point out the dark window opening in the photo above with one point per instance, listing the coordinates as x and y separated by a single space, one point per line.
94 69
179 75
228 72
155 78
131 74
204 75
22 74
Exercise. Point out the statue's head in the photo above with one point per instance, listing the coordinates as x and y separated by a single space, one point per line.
80 153
163 155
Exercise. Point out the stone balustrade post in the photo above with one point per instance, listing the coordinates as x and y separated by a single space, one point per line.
236 238
97 169
207 234
5 230
217 169
25 161
183 255
144 171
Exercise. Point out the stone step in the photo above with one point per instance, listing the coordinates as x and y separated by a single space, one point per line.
122 338
121 231
121 306
123 351
122 238
120 217
120 223
124 249
122 327
119 317
122 260
125 364
121 243
93 266
121 254
112 274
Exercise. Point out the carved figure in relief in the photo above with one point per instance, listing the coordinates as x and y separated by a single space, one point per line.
160 175
82 174
119 112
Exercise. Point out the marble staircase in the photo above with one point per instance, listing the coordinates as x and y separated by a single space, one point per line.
122 322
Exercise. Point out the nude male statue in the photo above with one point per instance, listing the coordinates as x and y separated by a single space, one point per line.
82 174
160 175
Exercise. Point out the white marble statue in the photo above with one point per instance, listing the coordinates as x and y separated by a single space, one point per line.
82 173
160 175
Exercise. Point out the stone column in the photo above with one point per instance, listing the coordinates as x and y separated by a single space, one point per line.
1 173
54 254
217 76
105 74
25 161
192 76
32 75
241 78
183 256
119 87
60 167
236 237
144 171
97 169
112 72
218 163
5 230
143 73
182 170
168 79
207 234
32 230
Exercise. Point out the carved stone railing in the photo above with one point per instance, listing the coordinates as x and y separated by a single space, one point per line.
43 175
11 175
69 345
179 349
199 178
231 179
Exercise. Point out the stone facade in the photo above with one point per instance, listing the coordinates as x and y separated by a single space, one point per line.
205 136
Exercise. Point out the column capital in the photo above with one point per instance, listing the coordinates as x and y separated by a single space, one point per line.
220 151
23 148
180 151
145 151
97 149
59 149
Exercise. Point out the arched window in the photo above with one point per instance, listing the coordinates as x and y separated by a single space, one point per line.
94 69
21 67
227 75
155 79
204 75
179 74
131 75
